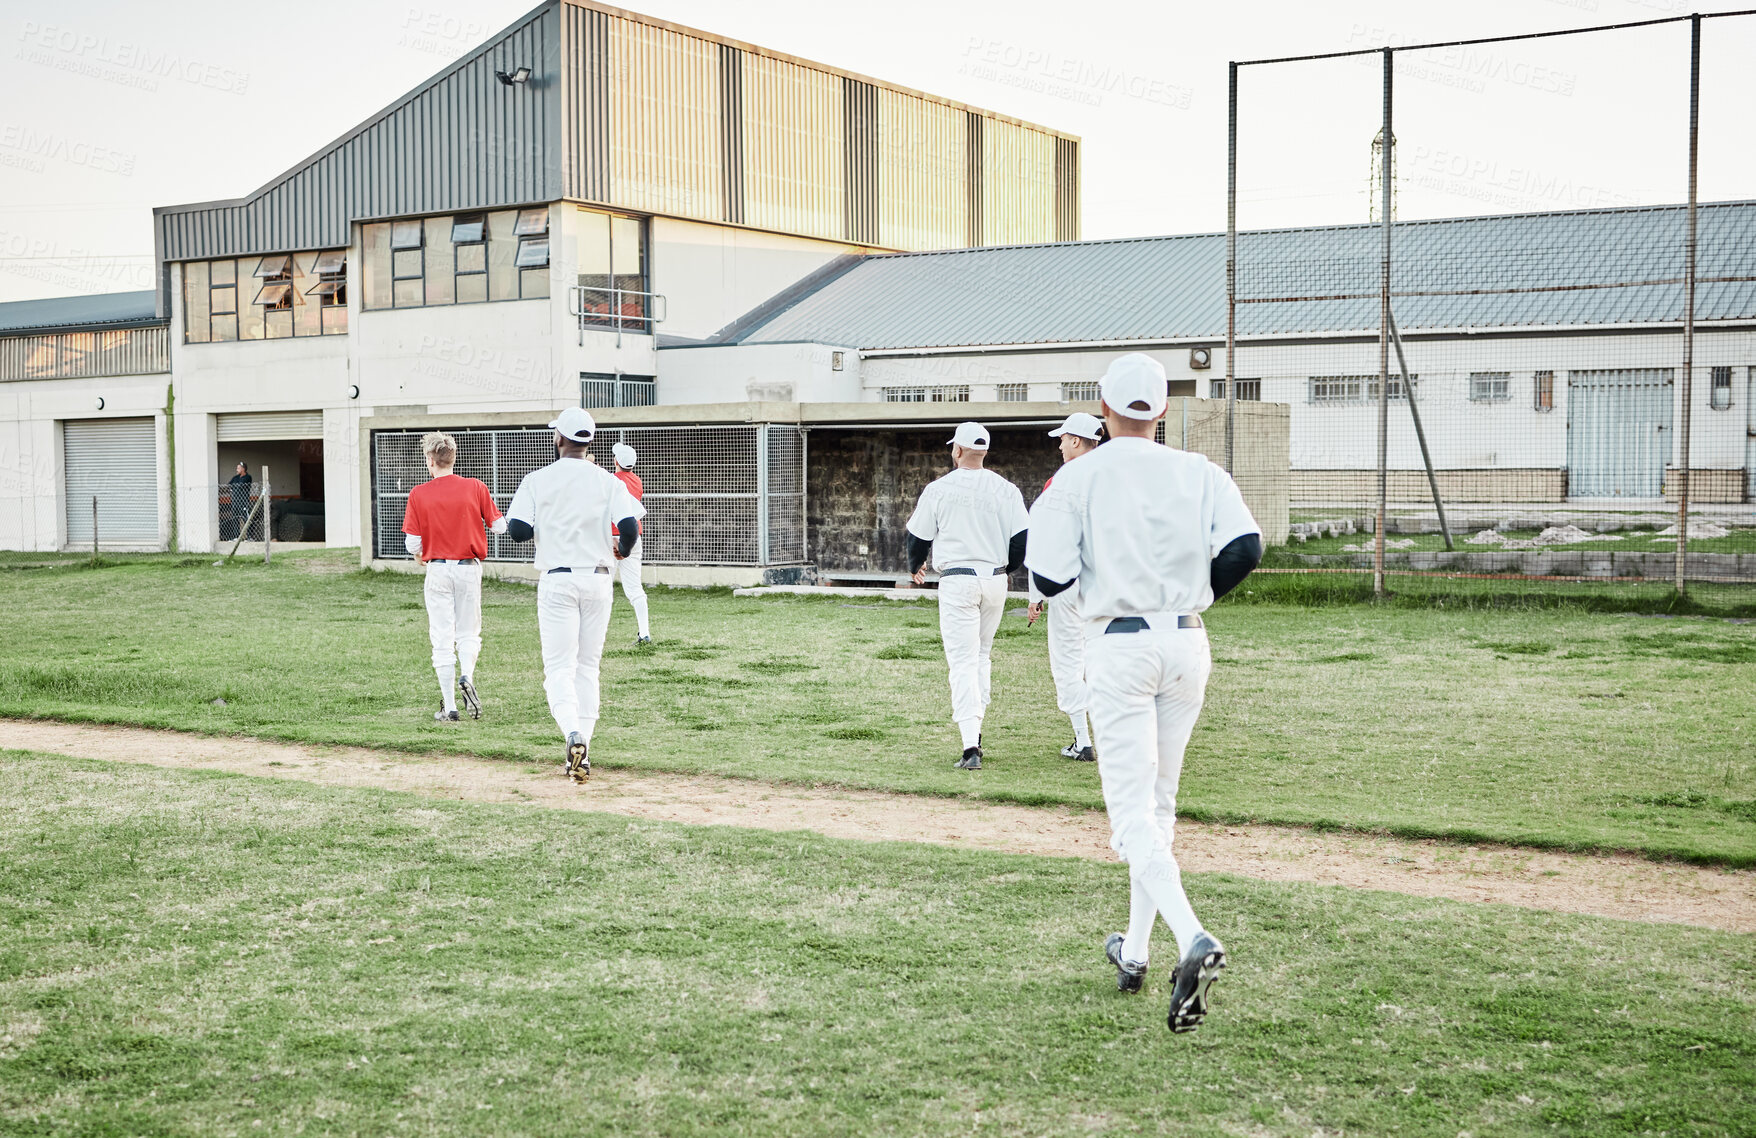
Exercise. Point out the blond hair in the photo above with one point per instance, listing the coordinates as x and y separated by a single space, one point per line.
440 447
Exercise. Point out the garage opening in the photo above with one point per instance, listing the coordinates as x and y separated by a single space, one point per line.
290 445
115 462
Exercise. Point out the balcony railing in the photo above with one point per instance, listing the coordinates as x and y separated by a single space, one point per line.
609 308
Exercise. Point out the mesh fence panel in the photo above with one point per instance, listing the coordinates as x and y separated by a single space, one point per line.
701 485
1533 393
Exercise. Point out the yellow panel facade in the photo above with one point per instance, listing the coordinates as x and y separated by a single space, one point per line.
1018 184
664 91
793 148
923 165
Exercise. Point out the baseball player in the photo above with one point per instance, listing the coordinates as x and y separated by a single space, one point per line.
571 507
1153 536
1079 435
974 523
443 526
629 570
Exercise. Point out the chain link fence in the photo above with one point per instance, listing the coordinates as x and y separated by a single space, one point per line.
1515 343
731 495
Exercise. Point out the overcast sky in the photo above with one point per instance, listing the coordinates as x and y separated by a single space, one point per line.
92 135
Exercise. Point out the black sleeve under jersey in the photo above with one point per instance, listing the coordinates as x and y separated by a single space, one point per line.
1049 588
917 553
627 533
1234 563
1015 551
519 530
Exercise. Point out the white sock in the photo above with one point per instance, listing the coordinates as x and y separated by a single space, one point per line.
1081 733
1164 883
447 679
971 730
585 727
1141 915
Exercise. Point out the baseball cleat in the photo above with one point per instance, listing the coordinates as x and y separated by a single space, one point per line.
972 759
472 702
642 641
445 717
1195 973
578 764
1085 755
1130 974
1071 750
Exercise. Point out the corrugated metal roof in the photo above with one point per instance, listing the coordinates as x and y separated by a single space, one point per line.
1593 267
108 309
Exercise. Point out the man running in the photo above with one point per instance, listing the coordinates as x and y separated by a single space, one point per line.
629 570
570 508
444 526
1153 536
1079 435
974 523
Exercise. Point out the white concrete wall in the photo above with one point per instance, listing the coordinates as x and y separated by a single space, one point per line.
32 489
782 373
710 275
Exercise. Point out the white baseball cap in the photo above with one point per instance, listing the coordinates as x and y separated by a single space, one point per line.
1082 424
1135 378
576 423
625 456
970 436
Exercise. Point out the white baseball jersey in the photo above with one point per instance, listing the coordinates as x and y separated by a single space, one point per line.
573 505
970 517
1138 524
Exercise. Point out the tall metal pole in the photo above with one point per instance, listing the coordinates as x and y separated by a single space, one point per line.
1383 344
267 515
1688 305
94 529
1231 273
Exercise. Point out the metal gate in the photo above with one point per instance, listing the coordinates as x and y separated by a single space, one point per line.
1618 432
731 495
115 461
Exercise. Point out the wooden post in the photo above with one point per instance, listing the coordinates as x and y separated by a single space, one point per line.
267 515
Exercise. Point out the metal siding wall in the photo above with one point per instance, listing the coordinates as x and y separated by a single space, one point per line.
80 355
923 173
861 164
466 141
976 168
731 117
793 148
1066 189
115 460
585 103
664 121
1018 184
253 426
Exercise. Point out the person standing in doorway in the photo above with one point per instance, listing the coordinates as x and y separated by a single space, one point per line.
445 525
570 508
238 489
973 522
629 568
1153 536
1079 435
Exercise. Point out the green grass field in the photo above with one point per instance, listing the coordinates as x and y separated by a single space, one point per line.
1548 727
194 953
1643 541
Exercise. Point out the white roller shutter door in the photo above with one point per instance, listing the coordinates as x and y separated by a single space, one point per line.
257 426
116 461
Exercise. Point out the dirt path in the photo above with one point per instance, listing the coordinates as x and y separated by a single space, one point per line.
1621 886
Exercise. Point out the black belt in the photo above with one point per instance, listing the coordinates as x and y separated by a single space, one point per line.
454 561
1138 623
966 572
603 569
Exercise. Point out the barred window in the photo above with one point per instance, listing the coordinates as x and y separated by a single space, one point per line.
1342 388
950 393
1490 386
1545 391
1247 389
1012 392
1720 397
1078 392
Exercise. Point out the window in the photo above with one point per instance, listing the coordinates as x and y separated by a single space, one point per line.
225 300
1345 388
1490 386
600 390
1720 394
1077 392
612 271
464 258
950 393
1251 389
468 236
407 264
289 294
532 259
1012 392
469 229
328 298
1544 399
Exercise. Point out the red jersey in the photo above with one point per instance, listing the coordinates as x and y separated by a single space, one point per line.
450 515
632 481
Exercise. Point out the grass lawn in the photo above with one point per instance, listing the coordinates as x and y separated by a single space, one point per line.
195 953
1548 727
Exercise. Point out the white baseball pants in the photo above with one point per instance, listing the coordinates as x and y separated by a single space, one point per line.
573 613
1067 653
453 594
969 614
1146 692
632 588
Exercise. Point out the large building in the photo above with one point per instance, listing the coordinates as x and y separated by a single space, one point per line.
519 232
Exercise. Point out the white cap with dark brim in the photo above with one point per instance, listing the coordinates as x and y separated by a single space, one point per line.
970 436
1134 386
576 423
1082 424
